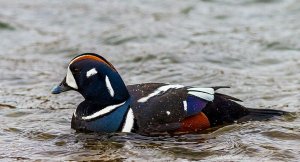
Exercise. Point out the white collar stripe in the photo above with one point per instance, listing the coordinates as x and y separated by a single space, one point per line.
129 122
103 111
185 105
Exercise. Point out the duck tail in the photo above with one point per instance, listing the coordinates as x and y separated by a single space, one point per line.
261 114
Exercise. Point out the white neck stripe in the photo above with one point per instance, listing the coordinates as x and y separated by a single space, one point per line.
103 111
109 87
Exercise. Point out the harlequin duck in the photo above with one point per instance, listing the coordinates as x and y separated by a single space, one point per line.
148 108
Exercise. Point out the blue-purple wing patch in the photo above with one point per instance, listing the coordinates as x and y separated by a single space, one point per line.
195 105
197 99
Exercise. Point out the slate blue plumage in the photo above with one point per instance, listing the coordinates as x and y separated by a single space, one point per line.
111 122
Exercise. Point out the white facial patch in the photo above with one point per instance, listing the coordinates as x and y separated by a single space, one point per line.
91 72
70 80
109 87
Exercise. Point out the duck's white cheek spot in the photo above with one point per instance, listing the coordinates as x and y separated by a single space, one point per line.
91 72
109 87
70 80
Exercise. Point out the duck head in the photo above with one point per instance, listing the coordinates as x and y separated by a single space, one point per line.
95 79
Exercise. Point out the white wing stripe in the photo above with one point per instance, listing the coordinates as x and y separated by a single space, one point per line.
205 96
205 90
158 91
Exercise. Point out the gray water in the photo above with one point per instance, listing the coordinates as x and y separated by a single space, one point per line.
251 45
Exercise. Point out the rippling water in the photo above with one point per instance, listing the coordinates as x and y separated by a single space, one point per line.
251 45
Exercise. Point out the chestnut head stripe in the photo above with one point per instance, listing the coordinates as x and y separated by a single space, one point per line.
92 57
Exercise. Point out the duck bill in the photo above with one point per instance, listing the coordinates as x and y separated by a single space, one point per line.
62 87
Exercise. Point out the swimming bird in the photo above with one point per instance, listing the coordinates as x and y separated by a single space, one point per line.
147 108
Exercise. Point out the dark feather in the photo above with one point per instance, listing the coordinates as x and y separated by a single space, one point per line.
261 114
219 87
228 97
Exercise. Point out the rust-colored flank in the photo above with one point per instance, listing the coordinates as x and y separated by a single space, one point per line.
194 123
